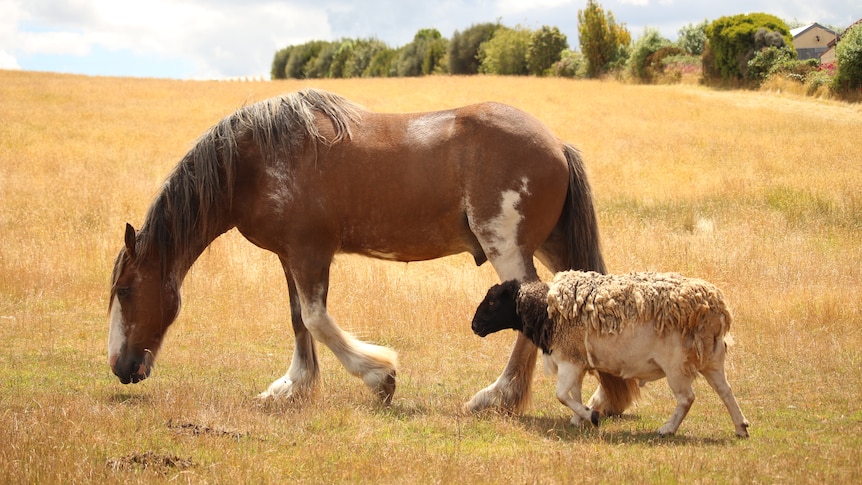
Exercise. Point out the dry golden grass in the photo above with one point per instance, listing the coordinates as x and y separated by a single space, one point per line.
758 192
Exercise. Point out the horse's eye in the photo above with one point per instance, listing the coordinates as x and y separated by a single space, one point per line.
124 291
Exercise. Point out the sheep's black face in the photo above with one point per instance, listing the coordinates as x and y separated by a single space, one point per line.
498 310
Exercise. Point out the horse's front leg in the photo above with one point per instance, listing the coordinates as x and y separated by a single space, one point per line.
304 371
376 365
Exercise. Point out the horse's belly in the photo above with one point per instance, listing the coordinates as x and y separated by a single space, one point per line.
410 240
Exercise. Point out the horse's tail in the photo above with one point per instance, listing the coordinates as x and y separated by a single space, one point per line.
580 225
583 251
614 394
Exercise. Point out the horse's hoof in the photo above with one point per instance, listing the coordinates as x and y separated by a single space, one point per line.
594 418
387 389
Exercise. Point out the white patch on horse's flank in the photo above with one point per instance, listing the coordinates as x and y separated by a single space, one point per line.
501 233
282 191
429 128
116 332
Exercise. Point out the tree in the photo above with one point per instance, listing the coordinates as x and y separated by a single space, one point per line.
848 57
544 49
692 38
506 52
361 56
423 55
279 60
318 67
603 41
734 40
464 48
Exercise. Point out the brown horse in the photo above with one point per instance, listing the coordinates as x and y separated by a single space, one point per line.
310 174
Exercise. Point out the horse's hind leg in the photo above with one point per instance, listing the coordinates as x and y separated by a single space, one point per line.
511 391
304 372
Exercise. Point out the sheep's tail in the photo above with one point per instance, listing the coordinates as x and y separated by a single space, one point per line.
614 394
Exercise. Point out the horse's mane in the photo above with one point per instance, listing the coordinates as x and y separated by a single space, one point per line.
188 212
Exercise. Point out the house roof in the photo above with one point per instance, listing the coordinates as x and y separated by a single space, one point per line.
838 37
805 28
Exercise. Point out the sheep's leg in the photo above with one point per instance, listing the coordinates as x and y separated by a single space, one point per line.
717 380
680 384
570 379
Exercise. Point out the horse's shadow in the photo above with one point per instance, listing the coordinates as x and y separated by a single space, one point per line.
561 429
127 398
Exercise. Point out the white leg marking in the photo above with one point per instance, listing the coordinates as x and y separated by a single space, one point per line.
298 381
116 332
375 364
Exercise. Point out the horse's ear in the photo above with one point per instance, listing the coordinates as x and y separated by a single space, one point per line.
130 240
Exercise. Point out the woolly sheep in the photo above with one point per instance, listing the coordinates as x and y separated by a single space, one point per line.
641 326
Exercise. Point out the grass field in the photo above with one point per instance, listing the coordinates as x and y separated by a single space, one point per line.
758 192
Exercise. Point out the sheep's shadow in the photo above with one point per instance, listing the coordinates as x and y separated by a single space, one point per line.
561 429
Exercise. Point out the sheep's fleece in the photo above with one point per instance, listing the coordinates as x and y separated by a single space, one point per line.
604 304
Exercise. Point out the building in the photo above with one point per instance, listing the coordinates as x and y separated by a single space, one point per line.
812 40
828 56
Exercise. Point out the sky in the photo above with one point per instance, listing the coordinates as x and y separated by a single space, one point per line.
214 39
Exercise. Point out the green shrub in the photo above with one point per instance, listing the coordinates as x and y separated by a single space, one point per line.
734 40
571 64
648 43
848 58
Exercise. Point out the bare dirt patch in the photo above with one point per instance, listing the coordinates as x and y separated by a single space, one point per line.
193 429
149 460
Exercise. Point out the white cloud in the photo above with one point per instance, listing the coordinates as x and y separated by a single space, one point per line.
217 40
7 61
519 6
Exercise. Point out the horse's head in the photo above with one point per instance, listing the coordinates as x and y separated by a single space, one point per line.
144 301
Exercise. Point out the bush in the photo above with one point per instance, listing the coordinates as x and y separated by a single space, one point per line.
571 64
692 38
848 58
679 67
648 43
768 61
733 41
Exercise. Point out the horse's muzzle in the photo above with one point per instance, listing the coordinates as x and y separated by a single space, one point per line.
133 369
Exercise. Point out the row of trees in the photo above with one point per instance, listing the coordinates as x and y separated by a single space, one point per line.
741 49
488 48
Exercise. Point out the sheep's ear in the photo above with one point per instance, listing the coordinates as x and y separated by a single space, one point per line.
509 289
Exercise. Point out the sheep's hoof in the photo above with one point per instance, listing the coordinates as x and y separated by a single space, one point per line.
594 418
